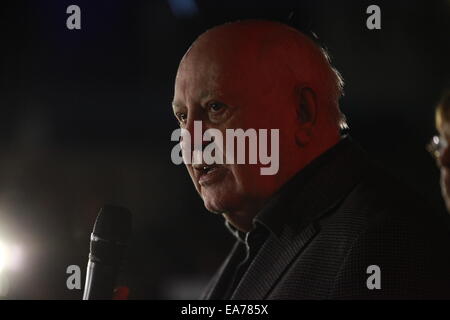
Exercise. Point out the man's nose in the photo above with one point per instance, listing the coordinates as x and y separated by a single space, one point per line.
196 129
190 126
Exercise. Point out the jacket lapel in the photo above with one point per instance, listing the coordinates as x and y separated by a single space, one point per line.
218 284
269 264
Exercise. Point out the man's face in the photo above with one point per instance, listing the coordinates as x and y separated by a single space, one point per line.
227 89
444 163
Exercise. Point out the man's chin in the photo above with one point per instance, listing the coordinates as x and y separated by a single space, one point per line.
215 203
213 208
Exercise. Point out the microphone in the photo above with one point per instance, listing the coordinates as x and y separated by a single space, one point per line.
112 230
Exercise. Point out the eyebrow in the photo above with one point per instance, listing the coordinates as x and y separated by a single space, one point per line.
205 95
209 94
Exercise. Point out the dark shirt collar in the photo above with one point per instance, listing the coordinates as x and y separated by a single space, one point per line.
240 235
311 190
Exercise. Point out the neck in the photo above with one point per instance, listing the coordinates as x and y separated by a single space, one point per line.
242 219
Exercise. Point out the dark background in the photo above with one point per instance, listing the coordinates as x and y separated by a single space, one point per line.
86 120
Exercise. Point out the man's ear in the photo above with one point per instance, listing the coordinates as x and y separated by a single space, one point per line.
306 114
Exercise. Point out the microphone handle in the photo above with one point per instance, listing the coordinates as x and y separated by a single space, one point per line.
100 281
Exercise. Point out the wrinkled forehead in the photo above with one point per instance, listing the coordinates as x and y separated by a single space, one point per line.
219 66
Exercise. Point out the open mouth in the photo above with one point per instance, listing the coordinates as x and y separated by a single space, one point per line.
207 174
209 168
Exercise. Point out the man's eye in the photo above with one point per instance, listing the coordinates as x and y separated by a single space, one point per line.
216 106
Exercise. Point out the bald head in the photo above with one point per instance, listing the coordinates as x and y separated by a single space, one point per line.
257 75
275 55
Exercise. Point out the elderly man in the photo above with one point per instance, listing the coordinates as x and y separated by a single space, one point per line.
329 224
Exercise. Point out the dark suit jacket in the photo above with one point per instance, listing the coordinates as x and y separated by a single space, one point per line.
345 216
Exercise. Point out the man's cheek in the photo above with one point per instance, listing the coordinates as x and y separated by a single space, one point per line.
247 174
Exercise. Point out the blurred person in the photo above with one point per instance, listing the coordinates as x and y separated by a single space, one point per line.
438 146
321 226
